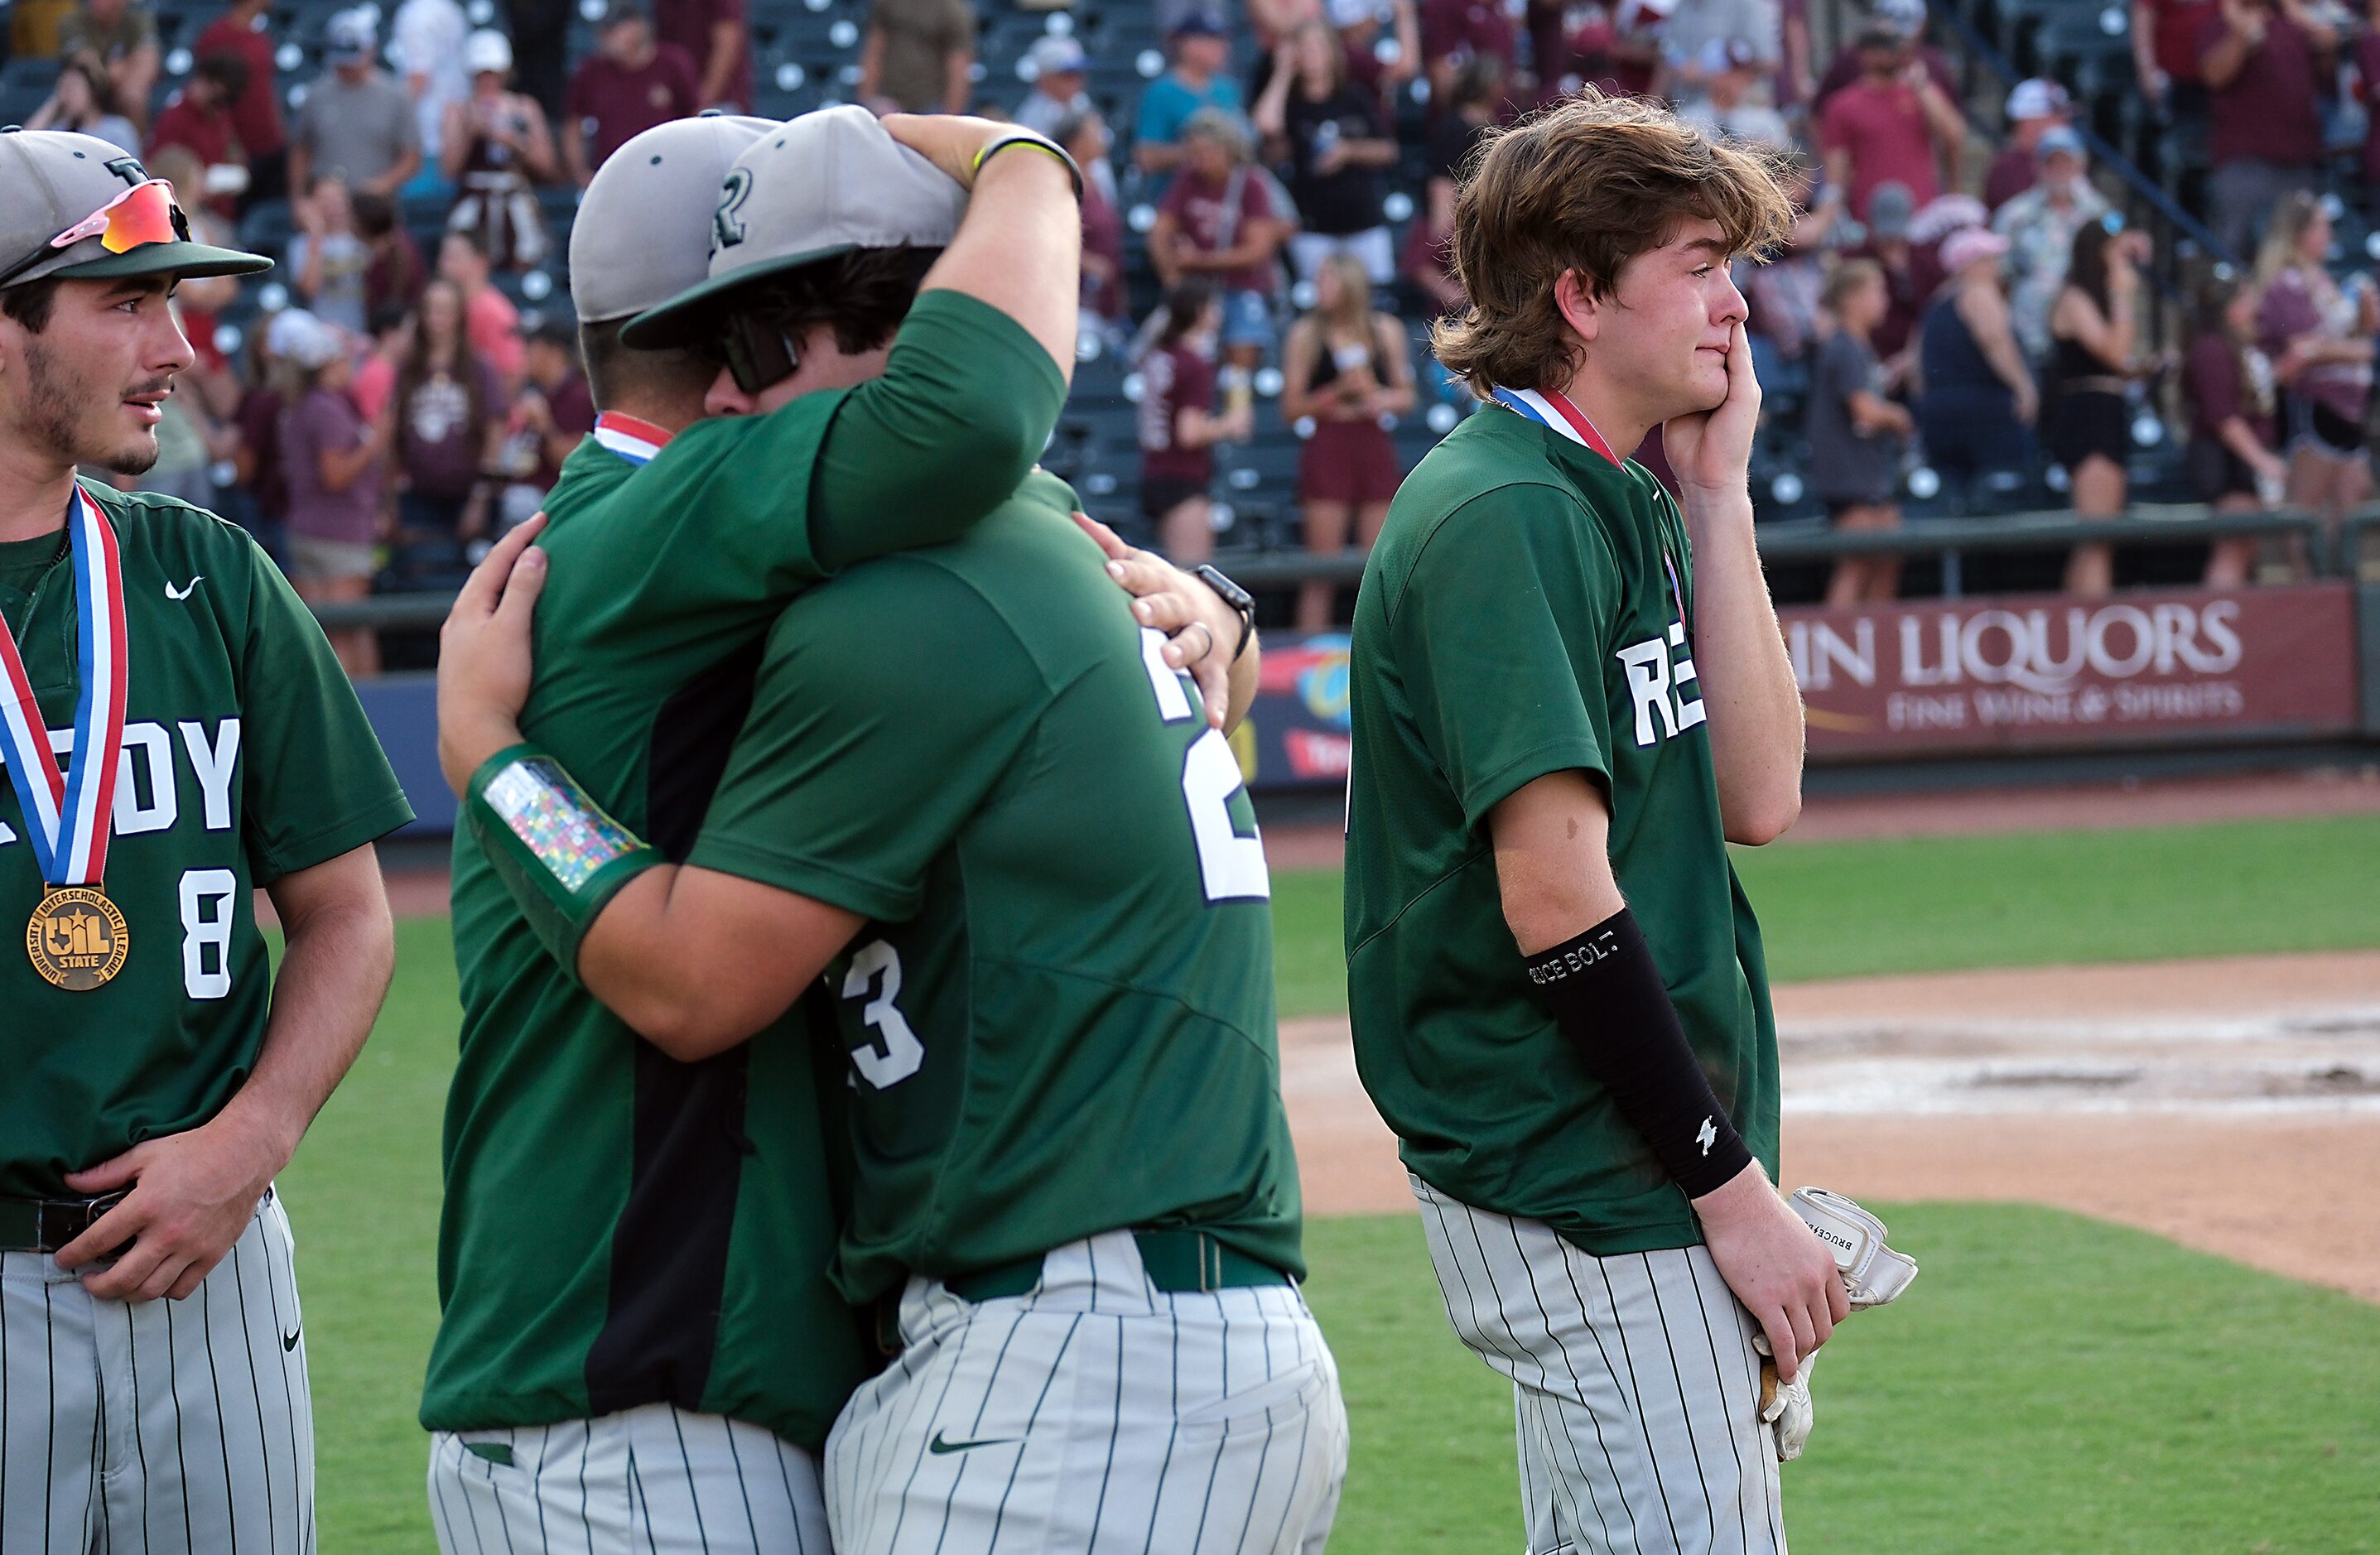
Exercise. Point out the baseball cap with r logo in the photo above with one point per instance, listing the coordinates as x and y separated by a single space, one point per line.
824 184
78 207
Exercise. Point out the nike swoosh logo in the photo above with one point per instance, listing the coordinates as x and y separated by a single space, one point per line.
289 1340
184 591
938 1445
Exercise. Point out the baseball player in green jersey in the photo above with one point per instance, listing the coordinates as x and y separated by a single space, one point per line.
638 1346
176 734
974 793
1556 987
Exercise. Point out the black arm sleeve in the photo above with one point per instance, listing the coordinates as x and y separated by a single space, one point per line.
1607 995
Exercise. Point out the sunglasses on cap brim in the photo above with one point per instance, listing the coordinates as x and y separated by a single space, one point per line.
142 215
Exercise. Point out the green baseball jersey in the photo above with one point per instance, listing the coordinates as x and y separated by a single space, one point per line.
619 1228
1529 609
245 757
1060 1016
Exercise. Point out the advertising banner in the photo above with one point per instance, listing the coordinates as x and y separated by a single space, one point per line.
1961 676
2051 672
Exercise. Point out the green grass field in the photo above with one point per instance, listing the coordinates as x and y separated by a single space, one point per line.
2026 899
2053 1384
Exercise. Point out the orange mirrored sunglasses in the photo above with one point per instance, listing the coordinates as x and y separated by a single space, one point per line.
143 214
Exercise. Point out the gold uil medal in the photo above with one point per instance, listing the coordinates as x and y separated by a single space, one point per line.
76 938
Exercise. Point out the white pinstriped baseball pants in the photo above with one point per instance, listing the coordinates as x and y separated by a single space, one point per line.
651 1480
1635 1388
164 1426
1094 1415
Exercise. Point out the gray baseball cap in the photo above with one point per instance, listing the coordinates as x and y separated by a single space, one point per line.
642 234
825 184
54 182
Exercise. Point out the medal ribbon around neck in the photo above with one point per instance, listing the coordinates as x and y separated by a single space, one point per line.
634 439
1551 407
66 816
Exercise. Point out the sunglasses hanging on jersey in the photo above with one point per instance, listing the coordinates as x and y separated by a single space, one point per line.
757 350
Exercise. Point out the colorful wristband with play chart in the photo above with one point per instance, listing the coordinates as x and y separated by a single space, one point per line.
557 852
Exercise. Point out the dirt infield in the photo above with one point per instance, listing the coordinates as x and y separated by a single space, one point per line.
2233 1104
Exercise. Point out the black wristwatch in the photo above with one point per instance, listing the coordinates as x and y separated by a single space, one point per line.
1239 599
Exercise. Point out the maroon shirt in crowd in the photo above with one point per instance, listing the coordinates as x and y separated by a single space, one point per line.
324 422
2270 111
1475 26
438 443
1884 130
257 116
2013 172
1103 236
622 103
1844 68
258 417
394 272
572 406
687 24
1595 56
2210 381
1203 212
2178 25
1174 380
2367 64
207 132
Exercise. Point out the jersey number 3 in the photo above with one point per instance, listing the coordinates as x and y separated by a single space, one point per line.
1231 867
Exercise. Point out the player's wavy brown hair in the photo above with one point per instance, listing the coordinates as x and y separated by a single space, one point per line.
1586 184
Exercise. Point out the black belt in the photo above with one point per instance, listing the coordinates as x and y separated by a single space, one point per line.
1178 1260
45 1225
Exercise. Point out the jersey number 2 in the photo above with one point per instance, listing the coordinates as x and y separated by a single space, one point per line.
1231 867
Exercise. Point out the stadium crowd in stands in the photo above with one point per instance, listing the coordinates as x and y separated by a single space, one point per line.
1270 192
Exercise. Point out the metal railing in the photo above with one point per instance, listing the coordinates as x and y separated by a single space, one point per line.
1789 542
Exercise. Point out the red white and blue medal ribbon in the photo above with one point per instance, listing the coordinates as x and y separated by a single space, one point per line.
634 439
1553 408
66 816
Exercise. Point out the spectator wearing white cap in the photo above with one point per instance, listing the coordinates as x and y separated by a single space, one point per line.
2034 108
498 150
1330 132
2040 225
334 466
1058 65
426 38
357 123
1730 71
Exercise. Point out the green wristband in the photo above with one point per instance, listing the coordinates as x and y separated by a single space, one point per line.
1039 143
559 855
